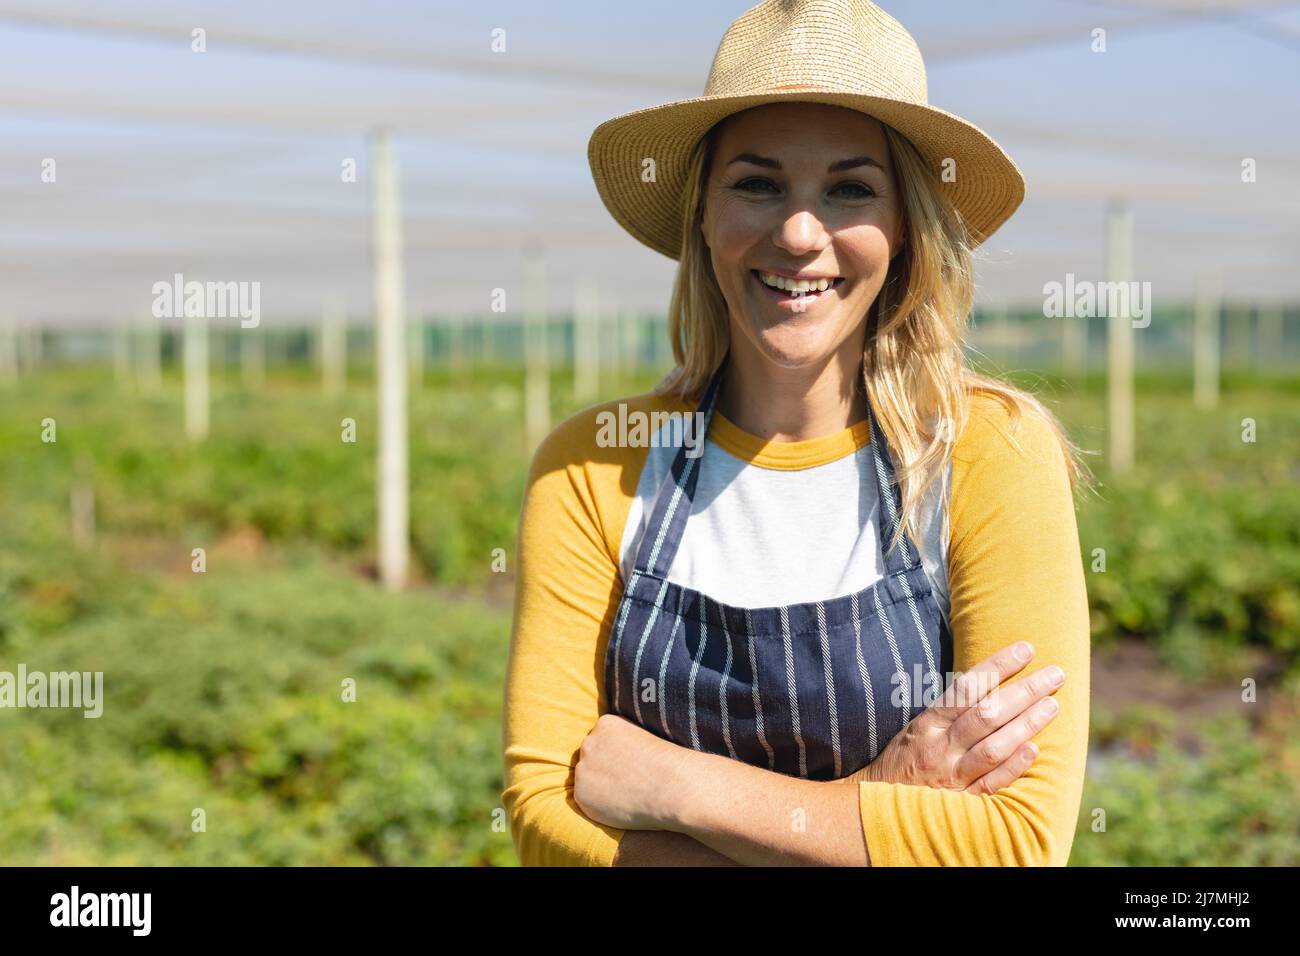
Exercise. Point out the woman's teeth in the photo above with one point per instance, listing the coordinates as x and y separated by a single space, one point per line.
795 286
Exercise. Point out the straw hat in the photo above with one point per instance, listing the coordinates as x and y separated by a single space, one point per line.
839 52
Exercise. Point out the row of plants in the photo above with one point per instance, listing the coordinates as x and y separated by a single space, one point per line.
227 735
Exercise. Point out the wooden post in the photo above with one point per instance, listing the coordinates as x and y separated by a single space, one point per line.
149 353
586 345
537 365
390 367
1119 372
1205 359
196 377
334 349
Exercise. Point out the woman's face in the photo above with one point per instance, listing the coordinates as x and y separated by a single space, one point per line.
800 189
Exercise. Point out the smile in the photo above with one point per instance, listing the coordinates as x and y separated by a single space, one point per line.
802 297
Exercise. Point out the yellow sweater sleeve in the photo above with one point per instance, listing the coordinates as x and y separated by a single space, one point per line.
576 502
1015 572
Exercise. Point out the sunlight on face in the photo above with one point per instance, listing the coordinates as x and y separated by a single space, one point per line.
800 189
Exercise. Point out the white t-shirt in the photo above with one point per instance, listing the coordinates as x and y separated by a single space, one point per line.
779 523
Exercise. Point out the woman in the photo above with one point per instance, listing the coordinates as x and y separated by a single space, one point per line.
796 648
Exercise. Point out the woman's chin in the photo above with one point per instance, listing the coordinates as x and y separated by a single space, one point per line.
792 348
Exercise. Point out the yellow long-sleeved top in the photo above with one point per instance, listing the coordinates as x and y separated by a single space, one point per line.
1013 571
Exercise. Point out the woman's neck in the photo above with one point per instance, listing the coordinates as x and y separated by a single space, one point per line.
785 404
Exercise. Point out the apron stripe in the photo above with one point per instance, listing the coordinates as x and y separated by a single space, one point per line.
883 617
865 674
793 692
695 669
618 637
636 669
887 498
920 628
722 691
830 685
758 703
649 625
663 675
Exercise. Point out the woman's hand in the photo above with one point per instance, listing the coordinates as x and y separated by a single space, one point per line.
624 775
975 737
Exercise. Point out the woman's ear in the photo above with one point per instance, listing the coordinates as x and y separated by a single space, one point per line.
900 241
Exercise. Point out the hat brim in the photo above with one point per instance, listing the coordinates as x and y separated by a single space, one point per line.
987 189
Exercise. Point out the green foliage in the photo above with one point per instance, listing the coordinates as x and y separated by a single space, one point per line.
1202 538
275 463
223 689
1234 804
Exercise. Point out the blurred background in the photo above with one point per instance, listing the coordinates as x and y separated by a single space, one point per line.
184 507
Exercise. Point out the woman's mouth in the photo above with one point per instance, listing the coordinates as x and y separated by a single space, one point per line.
801 298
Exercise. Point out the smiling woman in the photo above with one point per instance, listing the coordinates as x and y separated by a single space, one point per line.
714 655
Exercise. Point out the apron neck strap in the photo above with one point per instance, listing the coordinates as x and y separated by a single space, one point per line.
905 556
672 504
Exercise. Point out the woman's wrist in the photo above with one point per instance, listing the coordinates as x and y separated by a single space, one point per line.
868 774
678 806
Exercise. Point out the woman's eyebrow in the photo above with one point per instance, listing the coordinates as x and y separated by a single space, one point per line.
843 164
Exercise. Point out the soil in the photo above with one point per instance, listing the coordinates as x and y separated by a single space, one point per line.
1130 674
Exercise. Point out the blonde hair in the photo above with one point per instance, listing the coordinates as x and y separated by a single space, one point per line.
914 368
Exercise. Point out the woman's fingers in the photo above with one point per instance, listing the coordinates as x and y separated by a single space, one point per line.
1006 773
1002 705
973 685
986 726
1001 747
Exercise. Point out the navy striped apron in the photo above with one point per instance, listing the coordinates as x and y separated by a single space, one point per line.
812 690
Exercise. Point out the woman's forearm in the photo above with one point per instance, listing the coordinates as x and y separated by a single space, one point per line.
665 848
760 818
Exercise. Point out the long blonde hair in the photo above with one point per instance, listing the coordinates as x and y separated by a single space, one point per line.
914 367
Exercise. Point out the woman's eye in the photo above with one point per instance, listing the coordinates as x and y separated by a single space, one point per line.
863 192
857 190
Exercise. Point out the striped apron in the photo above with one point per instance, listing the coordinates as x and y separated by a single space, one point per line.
812 690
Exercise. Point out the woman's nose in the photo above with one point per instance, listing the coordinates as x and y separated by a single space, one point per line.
799 232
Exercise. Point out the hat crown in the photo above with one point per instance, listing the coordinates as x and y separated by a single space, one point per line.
836 46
